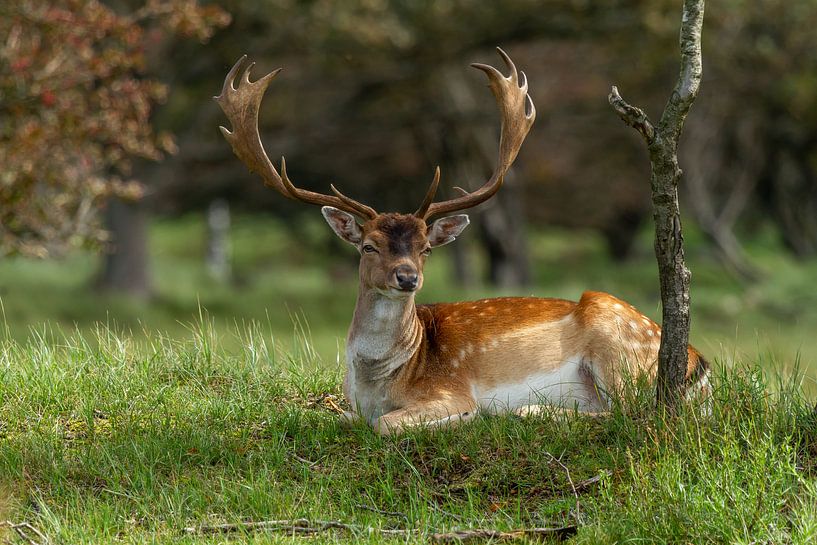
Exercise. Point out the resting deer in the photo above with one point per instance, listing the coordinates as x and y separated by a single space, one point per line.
410 365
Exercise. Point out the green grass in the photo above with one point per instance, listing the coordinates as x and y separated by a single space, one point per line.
108 438
208 404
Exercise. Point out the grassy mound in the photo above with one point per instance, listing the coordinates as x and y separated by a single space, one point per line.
108 439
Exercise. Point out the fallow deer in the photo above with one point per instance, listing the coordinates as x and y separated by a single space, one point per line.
410 365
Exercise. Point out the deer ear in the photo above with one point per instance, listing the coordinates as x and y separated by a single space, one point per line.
343 224
445 230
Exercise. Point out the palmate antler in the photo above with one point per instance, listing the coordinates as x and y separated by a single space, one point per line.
241 106
518 114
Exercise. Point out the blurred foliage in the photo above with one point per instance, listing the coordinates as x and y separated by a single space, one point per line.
755 136
76 103
377 92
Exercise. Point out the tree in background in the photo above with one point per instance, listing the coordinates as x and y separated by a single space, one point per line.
76 103
383 89
754 141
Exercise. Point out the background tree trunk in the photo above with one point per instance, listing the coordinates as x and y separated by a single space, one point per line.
125 264
469 149
502 232
662 142
219 249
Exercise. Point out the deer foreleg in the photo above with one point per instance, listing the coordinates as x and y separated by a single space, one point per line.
428 415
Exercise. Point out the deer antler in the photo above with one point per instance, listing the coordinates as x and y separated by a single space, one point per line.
518 114
241 106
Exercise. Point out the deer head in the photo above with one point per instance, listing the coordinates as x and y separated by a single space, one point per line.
393 247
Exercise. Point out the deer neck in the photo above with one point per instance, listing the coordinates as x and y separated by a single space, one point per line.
385 334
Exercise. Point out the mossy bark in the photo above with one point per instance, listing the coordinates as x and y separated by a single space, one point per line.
662 142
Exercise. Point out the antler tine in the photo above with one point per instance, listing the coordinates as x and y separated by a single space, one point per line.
241 104
363 210
509 63
518 113
429 198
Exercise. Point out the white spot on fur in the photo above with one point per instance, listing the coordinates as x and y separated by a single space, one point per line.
650 332
455 363
633 325
483 349
462 353
618 306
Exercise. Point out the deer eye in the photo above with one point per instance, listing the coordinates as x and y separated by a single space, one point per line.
426 252
369 249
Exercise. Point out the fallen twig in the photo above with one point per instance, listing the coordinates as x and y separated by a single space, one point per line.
22 529
446 513
309 463
581 485
292 526
306 528
478 534
328 400
382 512
572 485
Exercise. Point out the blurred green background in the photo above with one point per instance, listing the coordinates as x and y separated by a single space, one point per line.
123 205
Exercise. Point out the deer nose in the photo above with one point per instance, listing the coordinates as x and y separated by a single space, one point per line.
406 278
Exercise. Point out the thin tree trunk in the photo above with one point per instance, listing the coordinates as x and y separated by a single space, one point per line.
219 250
125 265
501 223
502 232
662 143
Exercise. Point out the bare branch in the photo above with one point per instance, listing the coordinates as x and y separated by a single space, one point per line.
634 117
306 527
572 485
290 526
382 512
464 536
581 485
662 142
22 529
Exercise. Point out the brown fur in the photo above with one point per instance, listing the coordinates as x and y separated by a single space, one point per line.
437 364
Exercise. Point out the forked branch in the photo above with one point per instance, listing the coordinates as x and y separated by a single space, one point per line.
662 142
631 115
